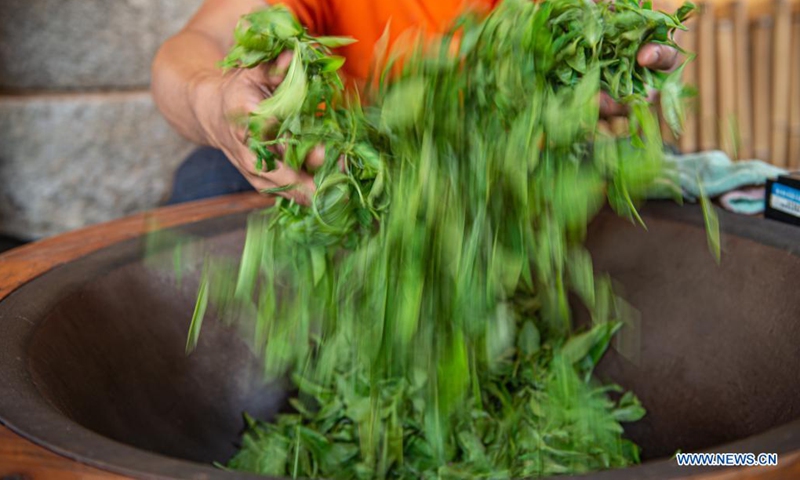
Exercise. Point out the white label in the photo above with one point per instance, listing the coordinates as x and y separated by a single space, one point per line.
785 205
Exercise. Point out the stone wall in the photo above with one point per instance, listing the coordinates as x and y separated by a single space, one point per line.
80 138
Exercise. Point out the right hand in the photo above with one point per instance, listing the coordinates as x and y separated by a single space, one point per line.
218 99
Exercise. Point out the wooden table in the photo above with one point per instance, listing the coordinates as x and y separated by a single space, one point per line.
22 459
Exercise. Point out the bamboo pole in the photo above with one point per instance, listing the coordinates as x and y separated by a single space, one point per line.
744 110
707 78
762 35
726 99
794 115
688 140
781 51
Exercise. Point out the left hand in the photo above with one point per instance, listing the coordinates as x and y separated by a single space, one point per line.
653 56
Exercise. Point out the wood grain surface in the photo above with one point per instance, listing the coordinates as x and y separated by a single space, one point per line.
22 459
29 261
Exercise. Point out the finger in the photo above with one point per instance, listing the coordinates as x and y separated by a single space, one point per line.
303 183
610 108
268 76
244 161
258 183
276 71
282 176
315 158
657 57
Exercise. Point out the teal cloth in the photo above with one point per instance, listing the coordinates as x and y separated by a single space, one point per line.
717 175
746 202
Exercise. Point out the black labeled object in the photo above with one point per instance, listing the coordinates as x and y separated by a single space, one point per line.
782 199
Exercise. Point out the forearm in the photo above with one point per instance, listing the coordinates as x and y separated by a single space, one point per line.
187 61
182 64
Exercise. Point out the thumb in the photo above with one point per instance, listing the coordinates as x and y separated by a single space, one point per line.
657 57
275 71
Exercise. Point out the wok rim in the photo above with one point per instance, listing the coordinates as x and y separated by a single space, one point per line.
25 411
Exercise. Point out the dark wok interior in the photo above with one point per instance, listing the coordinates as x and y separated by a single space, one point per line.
714 357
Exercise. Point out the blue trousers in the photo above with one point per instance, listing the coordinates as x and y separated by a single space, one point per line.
206 173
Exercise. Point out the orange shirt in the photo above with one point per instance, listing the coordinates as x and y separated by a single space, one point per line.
366 20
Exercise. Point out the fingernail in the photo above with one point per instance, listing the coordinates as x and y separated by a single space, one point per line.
653 57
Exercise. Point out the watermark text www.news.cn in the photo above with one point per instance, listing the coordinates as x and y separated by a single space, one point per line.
727 459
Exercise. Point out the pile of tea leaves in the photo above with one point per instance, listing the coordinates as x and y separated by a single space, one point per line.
421 306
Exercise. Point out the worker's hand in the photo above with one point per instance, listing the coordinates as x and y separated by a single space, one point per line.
652 56
220 99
